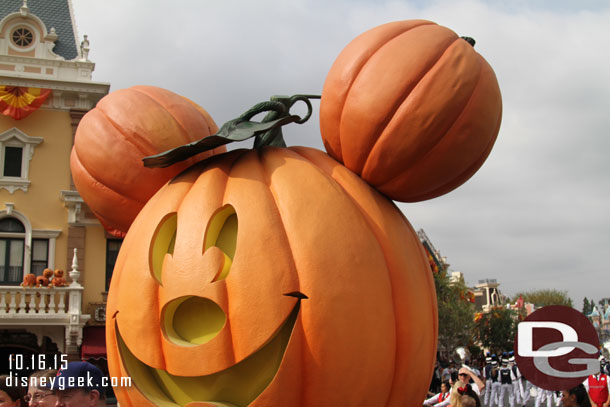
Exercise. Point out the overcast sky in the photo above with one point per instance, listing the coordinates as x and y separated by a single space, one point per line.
535 216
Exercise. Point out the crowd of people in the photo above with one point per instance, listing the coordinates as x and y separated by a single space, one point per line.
496 379
52 388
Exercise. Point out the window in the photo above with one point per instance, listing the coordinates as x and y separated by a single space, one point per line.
16 151
11 251
13 156
40 256
11 225
112 251
22 37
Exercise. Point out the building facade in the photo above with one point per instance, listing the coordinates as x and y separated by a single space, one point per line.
46 87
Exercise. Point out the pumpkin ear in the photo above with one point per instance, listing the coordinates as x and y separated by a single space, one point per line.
162 244
221 232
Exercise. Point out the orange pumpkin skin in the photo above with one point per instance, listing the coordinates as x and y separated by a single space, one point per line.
412 108
366 334
42 281
29 280
111 140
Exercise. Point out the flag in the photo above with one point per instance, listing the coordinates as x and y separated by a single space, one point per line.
520 302
18 102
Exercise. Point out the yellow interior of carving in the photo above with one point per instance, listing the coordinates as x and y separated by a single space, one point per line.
163 242
190 321
222 233
237 386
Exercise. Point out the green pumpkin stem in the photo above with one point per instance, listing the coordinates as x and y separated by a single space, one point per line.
267 132
469 40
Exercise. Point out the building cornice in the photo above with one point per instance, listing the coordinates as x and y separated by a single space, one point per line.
62 63
100 88
65 95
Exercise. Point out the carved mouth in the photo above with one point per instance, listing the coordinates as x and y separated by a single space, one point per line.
238 385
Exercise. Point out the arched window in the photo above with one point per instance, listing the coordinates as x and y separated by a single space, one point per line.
12 244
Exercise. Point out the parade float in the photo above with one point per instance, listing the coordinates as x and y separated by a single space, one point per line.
286 276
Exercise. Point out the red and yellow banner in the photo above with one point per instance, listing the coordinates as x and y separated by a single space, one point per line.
18 102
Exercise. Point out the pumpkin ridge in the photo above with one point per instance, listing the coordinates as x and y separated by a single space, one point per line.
357 73
184 133
466 174
259 155
442 133
211 126
433 299
400 99
475 165
226 293
425 155
144 147
310 154
299 321
99 183
372 228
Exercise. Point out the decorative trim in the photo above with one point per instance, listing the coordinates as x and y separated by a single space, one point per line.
74 203
51 235
29 234
14 184
100 88
10 211
16 138
45 234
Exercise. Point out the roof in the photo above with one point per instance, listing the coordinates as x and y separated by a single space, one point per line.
54 13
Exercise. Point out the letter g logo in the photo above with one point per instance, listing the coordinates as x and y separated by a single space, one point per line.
556 348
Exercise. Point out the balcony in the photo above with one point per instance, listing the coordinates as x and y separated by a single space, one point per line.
26 306
31 307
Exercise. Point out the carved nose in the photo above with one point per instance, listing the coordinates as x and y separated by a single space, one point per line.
191 321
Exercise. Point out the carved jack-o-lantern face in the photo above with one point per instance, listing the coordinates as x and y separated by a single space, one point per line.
272 277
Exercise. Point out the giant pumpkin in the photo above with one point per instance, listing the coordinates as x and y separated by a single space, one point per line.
112 139
412 108
271 277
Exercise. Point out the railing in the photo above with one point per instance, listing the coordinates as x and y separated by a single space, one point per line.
16 300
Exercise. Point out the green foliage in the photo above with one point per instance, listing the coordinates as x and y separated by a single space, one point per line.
544 297
455 313
587 306
496 330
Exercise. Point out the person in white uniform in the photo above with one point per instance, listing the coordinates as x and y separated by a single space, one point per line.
507 378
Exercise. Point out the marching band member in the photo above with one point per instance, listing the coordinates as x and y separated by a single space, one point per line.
542 396
517 383
507 378
495 384
488 380
526 390
487 376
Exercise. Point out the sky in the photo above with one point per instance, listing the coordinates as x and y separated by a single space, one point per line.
535 216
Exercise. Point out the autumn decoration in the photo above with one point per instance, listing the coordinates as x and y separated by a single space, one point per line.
285 276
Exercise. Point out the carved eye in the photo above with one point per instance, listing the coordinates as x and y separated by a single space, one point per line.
163 243
221 232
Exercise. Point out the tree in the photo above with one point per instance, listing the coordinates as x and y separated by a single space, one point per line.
496 329
455 313
587 306
544 297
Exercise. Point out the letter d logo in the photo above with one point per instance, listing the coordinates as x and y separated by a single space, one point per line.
525 338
